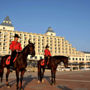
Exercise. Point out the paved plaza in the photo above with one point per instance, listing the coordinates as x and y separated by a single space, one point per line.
70 80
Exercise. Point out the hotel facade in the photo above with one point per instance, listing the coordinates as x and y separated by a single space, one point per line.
57 45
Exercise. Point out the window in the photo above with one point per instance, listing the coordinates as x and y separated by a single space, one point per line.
3 43
34 39
51 48
3 47
3 27
82 59
30 36
40 57
79 58
35 57
31 57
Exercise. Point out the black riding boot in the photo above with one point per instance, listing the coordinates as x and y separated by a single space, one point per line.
46 59
13 55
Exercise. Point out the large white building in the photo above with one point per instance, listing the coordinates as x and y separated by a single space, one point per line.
58 45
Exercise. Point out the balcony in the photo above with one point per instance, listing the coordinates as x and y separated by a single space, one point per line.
1 37
1 40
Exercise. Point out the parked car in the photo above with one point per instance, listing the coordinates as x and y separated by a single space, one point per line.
85 69
68 69
64 69
58 69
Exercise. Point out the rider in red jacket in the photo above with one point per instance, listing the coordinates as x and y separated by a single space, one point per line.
47 54
15 47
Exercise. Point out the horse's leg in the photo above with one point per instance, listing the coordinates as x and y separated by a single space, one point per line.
43 75
17 76
1 69
53 73
1 73
22 73
51 76
54 76
7 75
39 72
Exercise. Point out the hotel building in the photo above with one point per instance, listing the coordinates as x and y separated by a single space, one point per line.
57 45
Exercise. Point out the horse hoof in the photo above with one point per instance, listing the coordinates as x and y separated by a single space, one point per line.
38 82
21 89
54 83
8 86
43 81
17 88
51 83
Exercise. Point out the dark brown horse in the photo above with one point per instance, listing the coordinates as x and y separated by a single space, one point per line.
20 64
53 63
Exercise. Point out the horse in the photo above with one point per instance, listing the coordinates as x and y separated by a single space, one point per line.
19 65
52 65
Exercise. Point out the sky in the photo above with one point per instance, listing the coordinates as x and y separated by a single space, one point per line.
68 18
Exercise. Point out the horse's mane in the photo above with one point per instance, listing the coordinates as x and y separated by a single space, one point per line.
25 47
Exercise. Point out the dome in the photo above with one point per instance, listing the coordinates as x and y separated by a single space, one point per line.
49 30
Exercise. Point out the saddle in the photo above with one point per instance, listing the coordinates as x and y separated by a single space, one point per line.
8 60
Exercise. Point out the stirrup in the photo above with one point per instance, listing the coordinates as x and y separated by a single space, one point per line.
46 66
12 68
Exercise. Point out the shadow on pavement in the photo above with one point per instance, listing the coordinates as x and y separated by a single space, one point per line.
48 79
27 80
10 83
58 86
63 87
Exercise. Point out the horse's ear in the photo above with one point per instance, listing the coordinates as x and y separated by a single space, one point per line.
29 41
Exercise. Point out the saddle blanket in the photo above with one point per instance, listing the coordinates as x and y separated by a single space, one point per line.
8 60
43 63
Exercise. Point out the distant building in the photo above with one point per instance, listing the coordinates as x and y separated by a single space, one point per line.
57 45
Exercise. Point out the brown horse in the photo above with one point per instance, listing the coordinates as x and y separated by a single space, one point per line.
20 64
53 63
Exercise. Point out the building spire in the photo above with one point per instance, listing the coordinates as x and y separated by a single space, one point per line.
7 22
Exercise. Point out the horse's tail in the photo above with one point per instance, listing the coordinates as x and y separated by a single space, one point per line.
1 68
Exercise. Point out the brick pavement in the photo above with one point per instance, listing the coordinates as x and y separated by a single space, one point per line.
76 80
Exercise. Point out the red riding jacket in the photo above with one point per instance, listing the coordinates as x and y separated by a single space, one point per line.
15 46
47 52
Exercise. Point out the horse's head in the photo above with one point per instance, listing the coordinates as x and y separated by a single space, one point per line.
31 48
65 61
